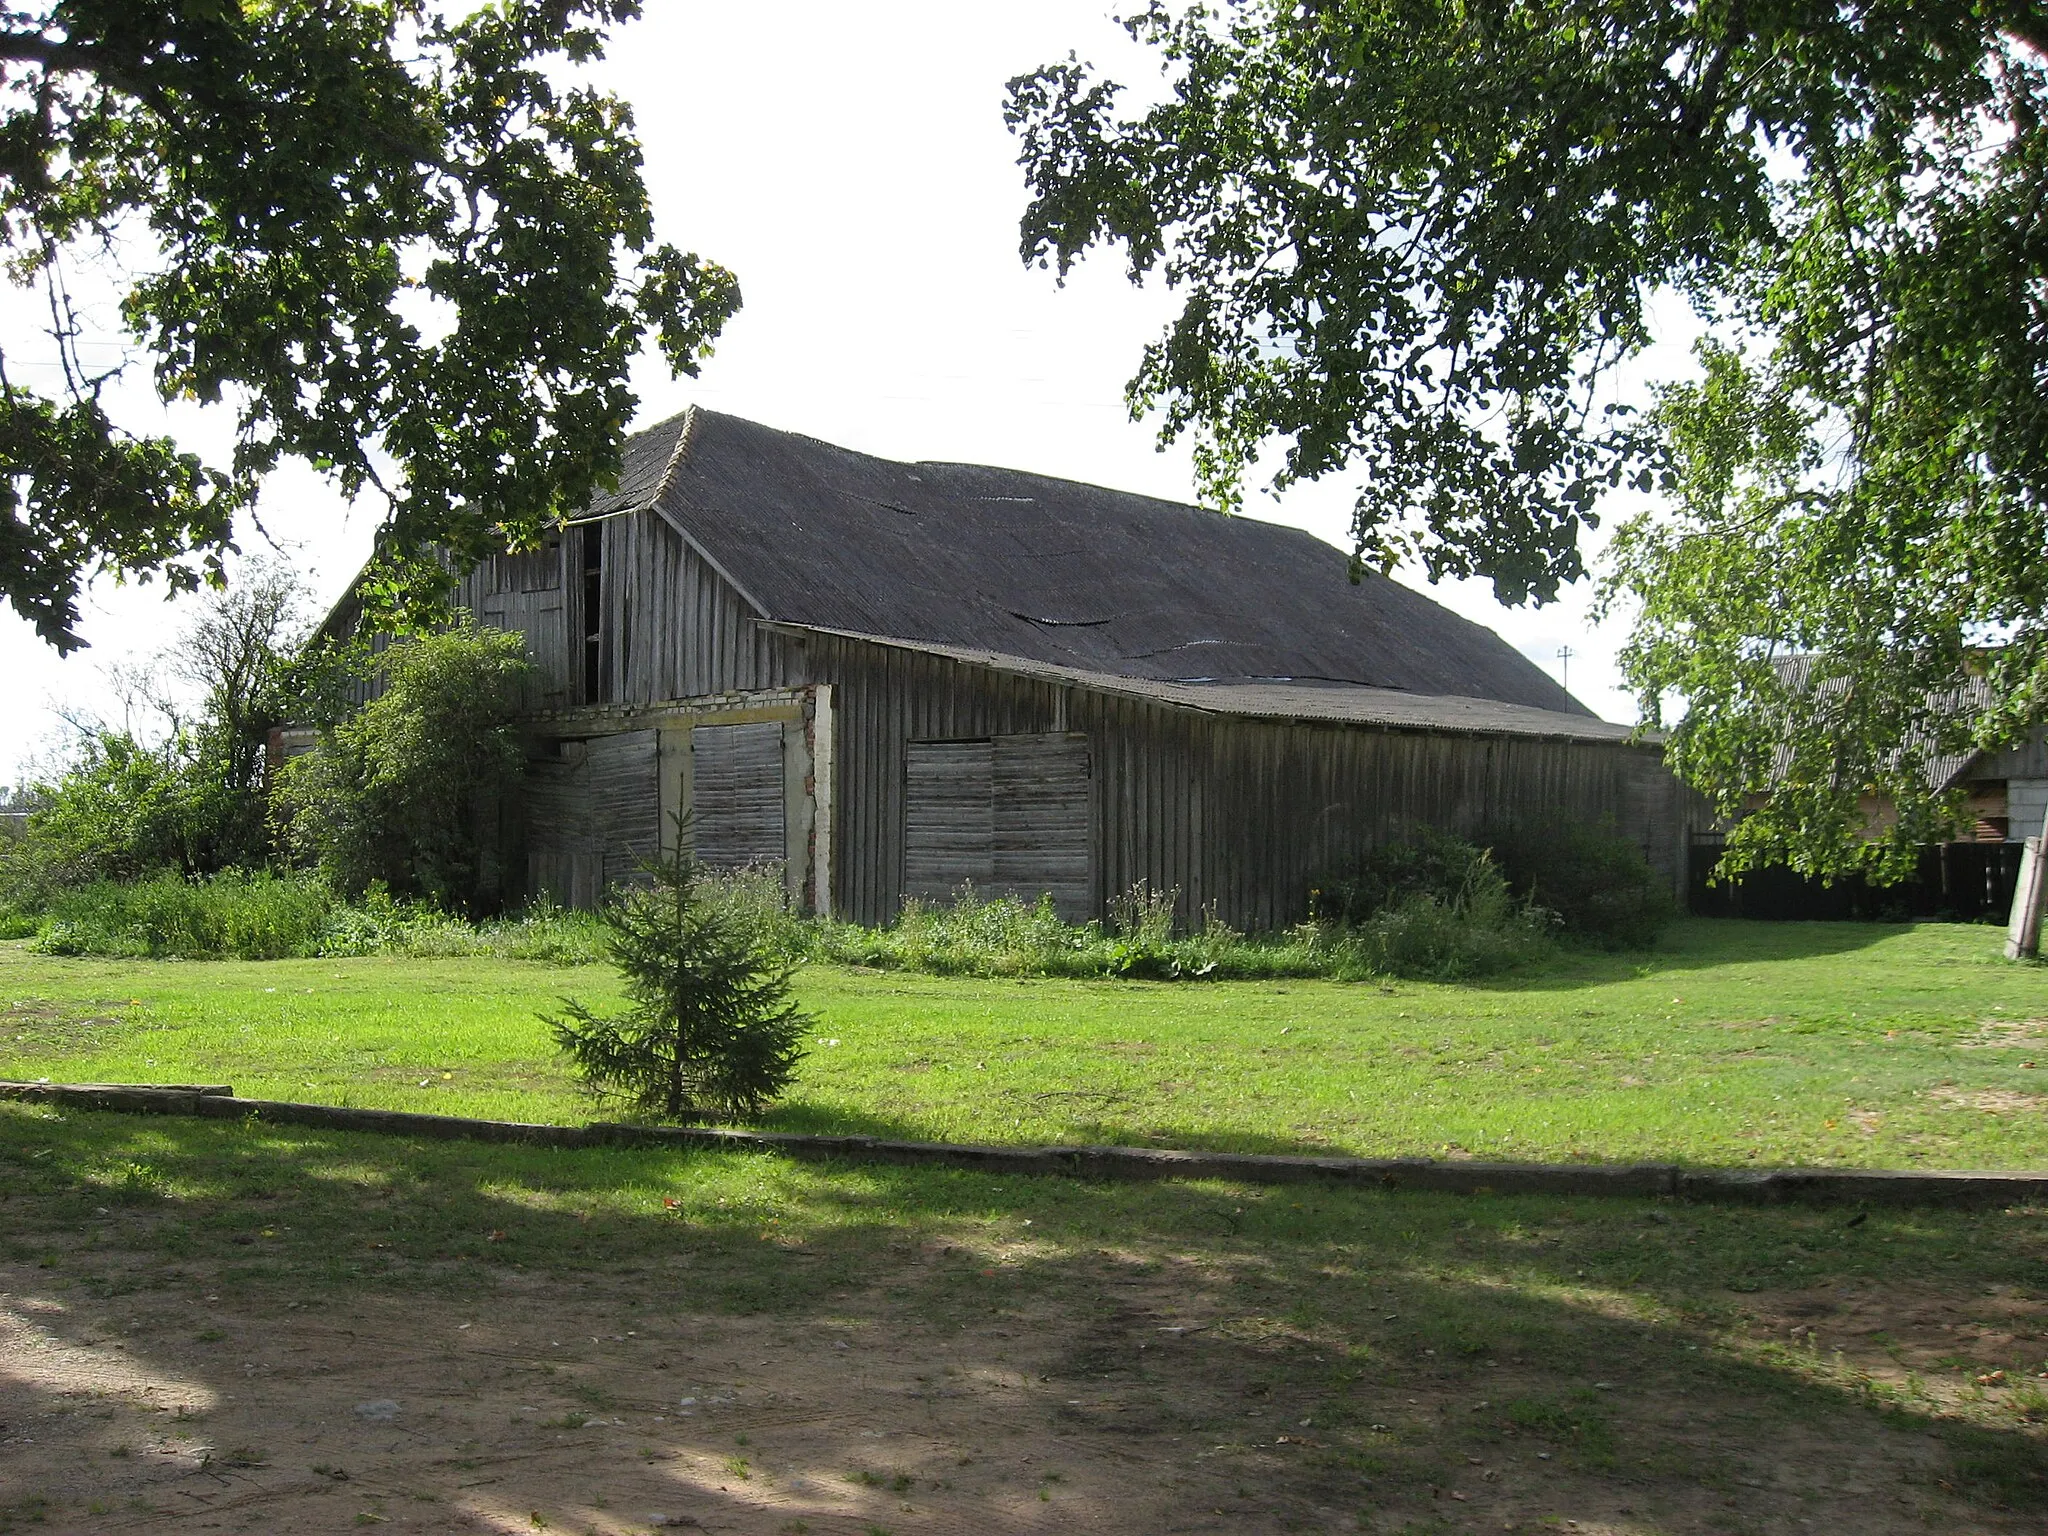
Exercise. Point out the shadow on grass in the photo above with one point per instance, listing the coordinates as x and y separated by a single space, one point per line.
1696 944
799 1117
1622 1340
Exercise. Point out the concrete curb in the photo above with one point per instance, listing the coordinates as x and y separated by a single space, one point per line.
1749 1186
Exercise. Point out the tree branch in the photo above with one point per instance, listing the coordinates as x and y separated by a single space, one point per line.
70 56
32 48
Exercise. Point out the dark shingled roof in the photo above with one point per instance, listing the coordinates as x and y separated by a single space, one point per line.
1020 565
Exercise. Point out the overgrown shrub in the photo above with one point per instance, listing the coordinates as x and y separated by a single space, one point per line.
1479 930
1482 932
712 1031
1427 939
105 818
1434 906
1141 920
756 898
1596 880
1448 870
188 794
378 924
122 810
411 793
232 915
236 915
978 935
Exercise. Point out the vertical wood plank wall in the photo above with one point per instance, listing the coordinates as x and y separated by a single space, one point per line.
680 632
1239 814
673 628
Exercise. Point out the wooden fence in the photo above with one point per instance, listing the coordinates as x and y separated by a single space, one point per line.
1956 882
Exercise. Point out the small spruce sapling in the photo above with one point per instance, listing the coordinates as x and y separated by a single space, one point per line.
712 1030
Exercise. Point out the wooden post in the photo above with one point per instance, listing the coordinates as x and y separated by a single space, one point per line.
824 763
2023 938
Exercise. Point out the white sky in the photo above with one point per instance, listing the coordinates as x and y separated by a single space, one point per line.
850 164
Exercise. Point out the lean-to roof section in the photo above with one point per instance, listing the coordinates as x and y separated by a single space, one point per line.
1387 707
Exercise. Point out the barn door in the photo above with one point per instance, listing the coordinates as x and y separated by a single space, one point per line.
1012 814
736 799
625 800
560 862
1043 823
593 816
948 818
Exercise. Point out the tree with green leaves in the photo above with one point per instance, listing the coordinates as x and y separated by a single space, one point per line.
713 1030
1415 240
415 791
395 240
181 783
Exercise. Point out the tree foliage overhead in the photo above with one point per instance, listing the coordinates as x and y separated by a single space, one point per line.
391 238
1415 238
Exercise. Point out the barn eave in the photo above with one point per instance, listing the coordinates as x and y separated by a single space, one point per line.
1278 703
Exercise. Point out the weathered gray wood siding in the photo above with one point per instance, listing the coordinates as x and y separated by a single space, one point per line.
534 594
592 816
1237 814
1044 794
672 628
625 796
678 630
737 800
1011 815
2028 760
949 817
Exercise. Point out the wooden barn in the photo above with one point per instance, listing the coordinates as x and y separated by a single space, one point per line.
896 678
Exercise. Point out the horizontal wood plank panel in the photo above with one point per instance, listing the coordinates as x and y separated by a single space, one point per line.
948 817
563 861
1043 804
625 801
737 794
557 806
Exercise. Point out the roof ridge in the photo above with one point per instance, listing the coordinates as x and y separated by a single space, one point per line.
685 436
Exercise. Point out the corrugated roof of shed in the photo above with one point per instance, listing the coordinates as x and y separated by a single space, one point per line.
1054 571
1799 673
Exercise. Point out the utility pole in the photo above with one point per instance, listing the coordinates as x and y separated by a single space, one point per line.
2023 937
1564 667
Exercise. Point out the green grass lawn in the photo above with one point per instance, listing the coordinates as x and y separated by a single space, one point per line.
1734 1043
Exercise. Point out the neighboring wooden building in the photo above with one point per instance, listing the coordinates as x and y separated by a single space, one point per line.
895 678
2005 792
2008 791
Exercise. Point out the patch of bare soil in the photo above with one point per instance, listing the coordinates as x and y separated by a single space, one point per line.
2008 1034
616 1405
1993 1101
1933 1348
33 1026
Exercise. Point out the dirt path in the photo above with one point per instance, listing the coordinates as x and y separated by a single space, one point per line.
173 1408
